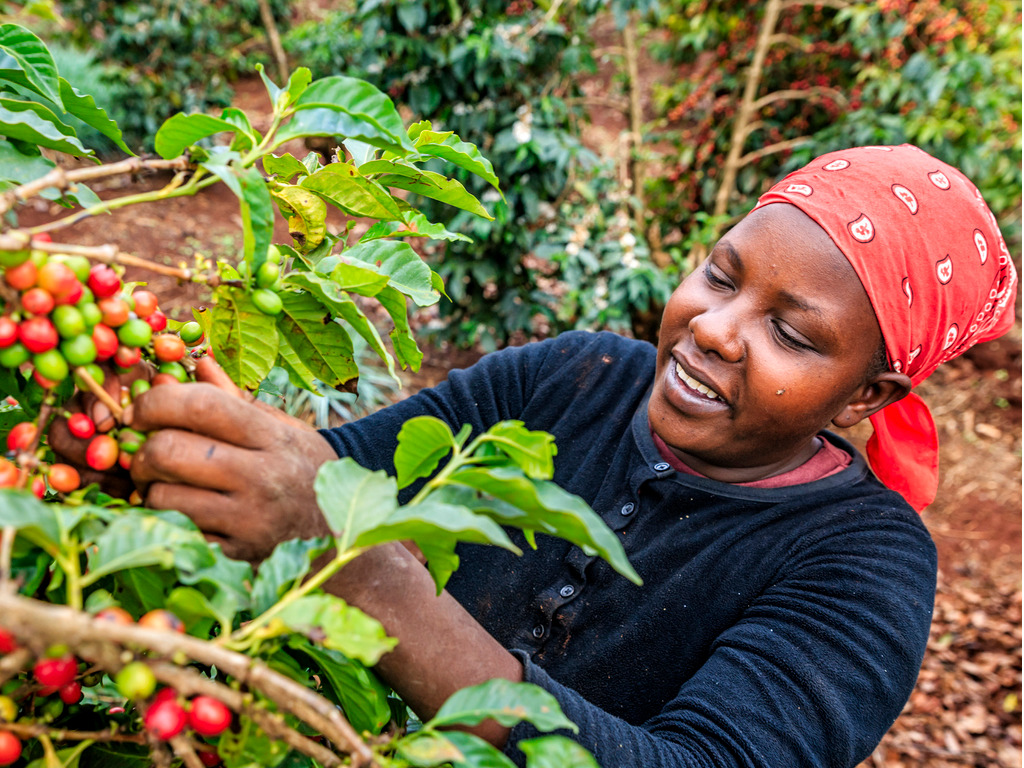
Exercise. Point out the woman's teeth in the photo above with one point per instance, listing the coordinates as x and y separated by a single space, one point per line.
692 383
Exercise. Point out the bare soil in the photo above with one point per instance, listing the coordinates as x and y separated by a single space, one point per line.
966 709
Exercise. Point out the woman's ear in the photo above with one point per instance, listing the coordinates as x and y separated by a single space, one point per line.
877 393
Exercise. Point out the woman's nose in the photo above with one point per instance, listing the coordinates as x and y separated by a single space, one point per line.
717 330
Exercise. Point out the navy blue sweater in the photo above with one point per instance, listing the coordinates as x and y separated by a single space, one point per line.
775 627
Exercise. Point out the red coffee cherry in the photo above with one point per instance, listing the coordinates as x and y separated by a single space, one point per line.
9 477
55 672
71 297
38 334
105 340
71 693
145 303
64 478
38 487
165 719
10 748
37 301
208 717
81 426
7 642
21 436
101 454
8 331
161 619
21 277
168 348
114 310
103 281
208 757
157 321
126 357
57 278
114 615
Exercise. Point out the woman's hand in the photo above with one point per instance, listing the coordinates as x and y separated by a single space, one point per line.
240 469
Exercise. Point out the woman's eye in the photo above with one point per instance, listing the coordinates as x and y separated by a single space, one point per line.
788 338
714 279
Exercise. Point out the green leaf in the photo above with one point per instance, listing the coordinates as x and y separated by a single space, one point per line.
437 528
476 753
246 137
22 121
341 305
353 499
181 131
556 752
357 689
427 749
272 90
407 271
348 107
532 451
285 167
23 52
343 186
297 84
195 610
426 183
365 281
298 374
550 509
117 755
307 215
135 541
28 515
84 107
332 622
289 562
415 225
20 168
422 442
322 345
506 702
257 217
245 341
450 147
226 583
407 352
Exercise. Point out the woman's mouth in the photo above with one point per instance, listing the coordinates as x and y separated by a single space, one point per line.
695 385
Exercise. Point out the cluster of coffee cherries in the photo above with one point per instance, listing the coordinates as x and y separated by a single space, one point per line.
64 317
165 713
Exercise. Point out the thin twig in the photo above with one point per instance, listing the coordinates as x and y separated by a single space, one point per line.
63 179
6 545
101 394
267 16
182 746
35 730
535 30
13 663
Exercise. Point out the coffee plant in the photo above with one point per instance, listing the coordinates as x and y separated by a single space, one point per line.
127 639
944 76
504 76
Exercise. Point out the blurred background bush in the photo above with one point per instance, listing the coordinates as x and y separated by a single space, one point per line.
716 100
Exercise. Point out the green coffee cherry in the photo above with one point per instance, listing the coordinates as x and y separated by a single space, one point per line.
77 264
135 333
274 255
175 369
68 321
267 302
91 314
14 355
267 275
139 386
14 258
191 332
51 365
135 681
130 440
81 350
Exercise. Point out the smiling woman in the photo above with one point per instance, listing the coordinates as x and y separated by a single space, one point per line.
777 326
787 590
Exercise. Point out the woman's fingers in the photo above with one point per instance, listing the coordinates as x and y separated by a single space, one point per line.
205 409
182 457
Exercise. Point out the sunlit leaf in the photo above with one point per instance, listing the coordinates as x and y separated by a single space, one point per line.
307 215
426 183
422 442
506 702
427 749
344 186
135 541
353 499
333 623
24 53
84 107
245 341
556 752
450 147
322 345
407 271
181 131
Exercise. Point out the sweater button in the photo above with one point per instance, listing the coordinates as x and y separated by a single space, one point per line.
661 466
627 509
538 631
567 591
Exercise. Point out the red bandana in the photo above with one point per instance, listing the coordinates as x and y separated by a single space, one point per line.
936 269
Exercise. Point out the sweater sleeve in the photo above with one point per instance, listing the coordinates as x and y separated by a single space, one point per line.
813 673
